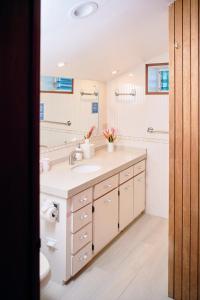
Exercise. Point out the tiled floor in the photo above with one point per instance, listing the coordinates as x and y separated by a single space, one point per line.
134 267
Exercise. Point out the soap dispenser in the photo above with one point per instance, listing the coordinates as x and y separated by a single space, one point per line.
79 153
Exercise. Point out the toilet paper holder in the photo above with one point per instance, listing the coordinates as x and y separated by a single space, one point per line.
45 206
56 205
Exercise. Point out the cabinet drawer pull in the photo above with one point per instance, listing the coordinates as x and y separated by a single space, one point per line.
84 216
140 179
84 257
127 175
126 188
83 199
84 236
108 201
107 186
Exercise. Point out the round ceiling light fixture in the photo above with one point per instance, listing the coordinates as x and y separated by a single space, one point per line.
84 10
60 64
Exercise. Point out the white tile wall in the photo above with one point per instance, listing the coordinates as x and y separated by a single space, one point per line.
132 117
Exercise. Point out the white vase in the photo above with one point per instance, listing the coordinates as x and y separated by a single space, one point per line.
87 141
88 149
110 147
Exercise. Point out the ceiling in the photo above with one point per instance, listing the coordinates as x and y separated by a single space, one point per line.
120 35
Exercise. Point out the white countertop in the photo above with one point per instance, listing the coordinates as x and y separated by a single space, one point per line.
62 182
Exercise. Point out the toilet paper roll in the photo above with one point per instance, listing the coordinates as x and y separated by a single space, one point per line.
50 214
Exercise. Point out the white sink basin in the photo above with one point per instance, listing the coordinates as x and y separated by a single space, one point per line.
82 169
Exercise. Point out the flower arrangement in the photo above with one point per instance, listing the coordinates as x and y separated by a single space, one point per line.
88 135
110 135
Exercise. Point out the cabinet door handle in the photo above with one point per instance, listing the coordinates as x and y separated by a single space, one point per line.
84 257
108 201
83 199
84 216
84 236
139 179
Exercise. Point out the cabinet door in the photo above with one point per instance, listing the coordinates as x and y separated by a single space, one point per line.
139 194
105 220
126 204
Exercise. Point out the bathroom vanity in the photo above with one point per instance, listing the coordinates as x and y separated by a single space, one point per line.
93 207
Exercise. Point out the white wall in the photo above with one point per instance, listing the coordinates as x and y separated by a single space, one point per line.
132 116
73 107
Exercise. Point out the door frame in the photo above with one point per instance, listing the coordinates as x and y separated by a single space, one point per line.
19 119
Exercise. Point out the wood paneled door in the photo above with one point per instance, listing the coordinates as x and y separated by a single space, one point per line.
184 209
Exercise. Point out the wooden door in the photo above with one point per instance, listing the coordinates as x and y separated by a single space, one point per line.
19 119
105 220
126 204
184 210
139 194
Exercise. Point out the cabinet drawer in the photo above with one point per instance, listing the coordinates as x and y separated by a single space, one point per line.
81 199
81 238
79 260
139 167
81 217
126 175
105 186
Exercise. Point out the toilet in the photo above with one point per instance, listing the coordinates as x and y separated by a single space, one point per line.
45 271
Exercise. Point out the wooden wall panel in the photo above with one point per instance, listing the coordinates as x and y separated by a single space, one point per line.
194 151
178 149
171 152
184 210
186 149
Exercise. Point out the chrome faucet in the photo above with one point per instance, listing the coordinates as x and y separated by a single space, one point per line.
72 156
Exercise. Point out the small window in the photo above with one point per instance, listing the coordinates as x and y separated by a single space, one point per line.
51 84
41 111
157 79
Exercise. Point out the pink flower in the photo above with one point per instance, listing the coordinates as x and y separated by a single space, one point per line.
89 133
110 134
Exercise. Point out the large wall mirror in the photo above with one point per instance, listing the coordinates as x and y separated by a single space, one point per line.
73 88
65 117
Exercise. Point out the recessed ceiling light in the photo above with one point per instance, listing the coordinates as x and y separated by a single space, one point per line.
114 72
60 64
131 74
84 10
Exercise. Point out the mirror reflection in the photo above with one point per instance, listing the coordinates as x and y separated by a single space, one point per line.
65 117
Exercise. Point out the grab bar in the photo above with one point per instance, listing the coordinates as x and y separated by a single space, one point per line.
132 93
152 130
68 123
89 94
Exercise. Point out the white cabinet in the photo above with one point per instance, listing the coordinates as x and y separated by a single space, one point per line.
105 220
81 238
139 167
125 204
91 219
81 218
139 194
79 260
105 186
126 175
82 199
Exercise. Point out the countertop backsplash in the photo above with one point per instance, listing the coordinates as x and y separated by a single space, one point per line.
61 153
